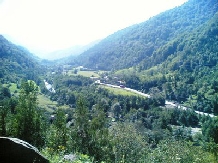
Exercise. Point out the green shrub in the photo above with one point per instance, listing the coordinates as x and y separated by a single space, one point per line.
58 157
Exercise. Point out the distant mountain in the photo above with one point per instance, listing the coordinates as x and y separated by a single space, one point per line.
73 51
145 43
17 63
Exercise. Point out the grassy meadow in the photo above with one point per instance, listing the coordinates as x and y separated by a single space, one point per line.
119 91
86 73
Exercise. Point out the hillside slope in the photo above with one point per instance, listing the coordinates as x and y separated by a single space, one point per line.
16 63
183 70
173 55
128 47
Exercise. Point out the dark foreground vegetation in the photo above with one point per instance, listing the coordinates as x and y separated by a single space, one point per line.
108 127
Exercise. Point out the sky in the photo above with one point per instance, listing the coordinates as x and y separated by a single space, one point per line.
44 26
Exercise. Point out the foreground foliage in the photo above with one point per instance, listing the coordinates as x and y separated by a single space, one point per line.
120 129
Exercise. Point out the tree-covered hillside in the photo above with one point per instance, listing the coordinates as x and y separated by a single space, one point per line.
174 53
16 63
145 41
184 70
190 49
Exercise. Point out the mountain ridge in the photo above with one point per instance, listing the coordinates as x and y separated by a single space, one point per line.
128 47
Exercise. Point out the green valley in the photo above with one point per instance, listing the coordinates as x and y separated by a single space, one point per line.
147 93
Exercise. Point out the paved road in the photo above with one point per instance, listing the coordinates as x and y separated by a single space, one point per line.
166 102
186 108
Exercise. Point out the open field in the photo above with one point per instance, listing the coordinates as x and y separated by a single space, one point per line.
46 103
13 87
120 91
43 101
88 73
84 73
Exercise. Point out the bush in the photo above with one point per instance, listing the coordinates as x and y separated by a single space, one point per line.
59 156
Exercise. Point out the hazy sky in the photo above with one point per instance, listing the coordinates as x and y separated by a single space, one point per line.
48 25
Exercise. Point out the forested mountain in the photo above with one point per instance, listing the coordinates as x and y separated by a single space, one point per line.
16 62
175 52
151 42
185 69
